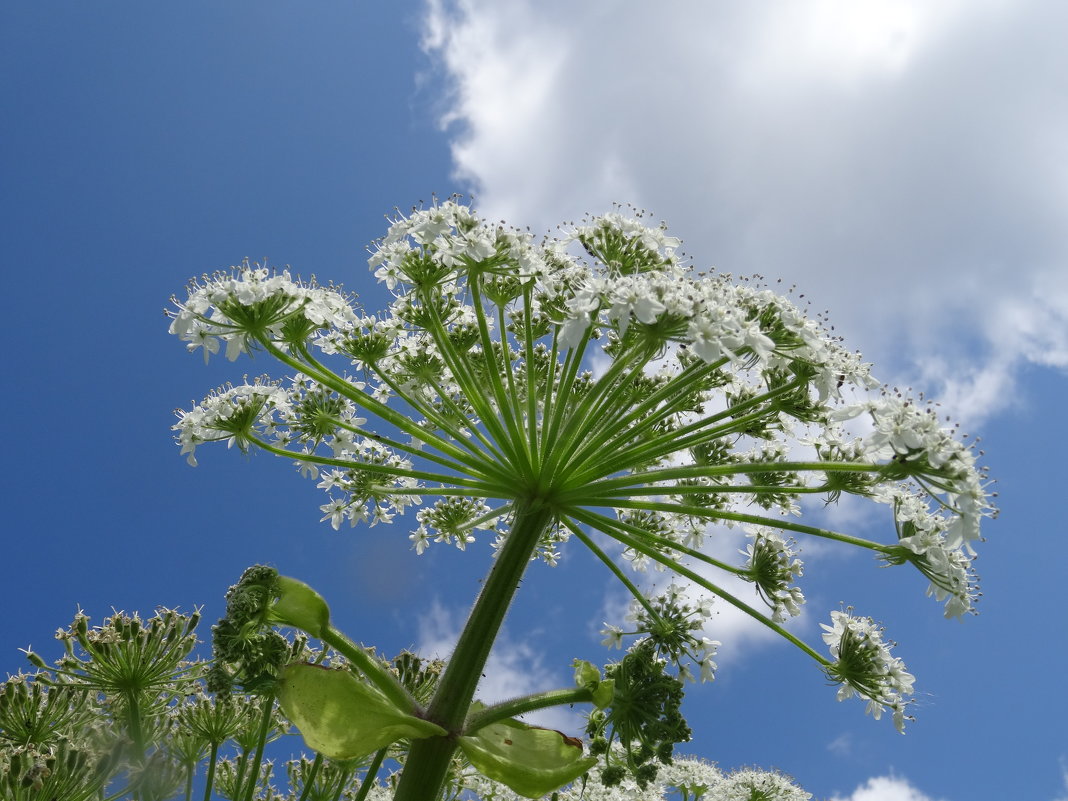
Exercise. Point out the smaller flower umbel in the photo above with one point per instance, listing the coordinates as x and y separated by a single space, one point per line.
864 666
671 625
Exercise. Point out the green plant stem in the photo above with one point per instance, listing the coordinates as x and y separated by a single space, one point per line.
527 703
639 596
639 483
618 432
467 382
429 759
510 436
369 777
329 379
134 726
379 676
210 781
309 780
375 468
261 742
635 447
613 529
771 522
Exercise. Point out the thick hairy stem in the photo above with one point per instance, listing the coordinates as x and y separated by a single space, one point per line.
428 760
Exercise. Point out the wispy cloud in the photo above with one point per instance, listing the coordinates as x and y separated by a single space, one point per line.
902 161
842 745
1064 778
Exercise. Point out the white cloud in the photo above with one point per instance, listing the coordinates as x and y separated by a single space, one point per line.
1064 778
885 788
513 668
904 162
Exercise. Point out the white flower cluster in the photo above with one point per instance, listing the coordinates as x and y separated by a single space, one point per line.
374 482
229 414
920 447
939 496
367 496
771 564
674 624
437 245
230 307
450 520
864 666
693 778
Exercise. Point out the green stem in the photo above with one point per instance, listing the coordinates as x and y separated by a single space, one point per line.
210 781
443 422
506 405
599 406
462 374
527 703
532 400
557 401
134 720
612 529
329 379
643 449
429 758
553 379
738 517
518 413
638 483
378 675
607 561
386 470
309 780
261 742
648 537
369 777
616 433
474 459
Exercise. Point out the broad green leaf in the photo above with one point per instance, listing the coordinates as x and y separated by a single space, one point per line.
342 717
529 760
300 606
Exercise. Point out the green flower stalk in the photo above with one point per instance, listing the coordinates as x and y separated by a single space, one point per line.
588 386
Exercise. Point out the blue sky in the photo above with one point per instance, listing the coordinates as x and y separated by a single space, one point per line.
903 163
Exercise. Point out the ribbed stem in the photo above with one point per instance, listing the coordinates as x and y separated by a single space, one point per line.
428 760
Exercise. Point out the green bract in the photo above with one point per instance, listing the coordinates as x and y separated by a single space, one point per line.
300 606
342 717
530 760
588 677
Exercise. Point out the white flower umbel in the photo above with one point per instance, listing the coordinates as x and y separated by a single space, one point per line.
864 666
719 402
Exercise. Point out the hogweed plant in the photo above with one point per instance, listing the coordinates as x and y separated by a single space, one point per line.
590 387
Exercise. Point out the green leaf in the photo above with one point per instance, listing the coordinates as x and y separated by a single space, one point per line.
342 717
300 606
529 760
